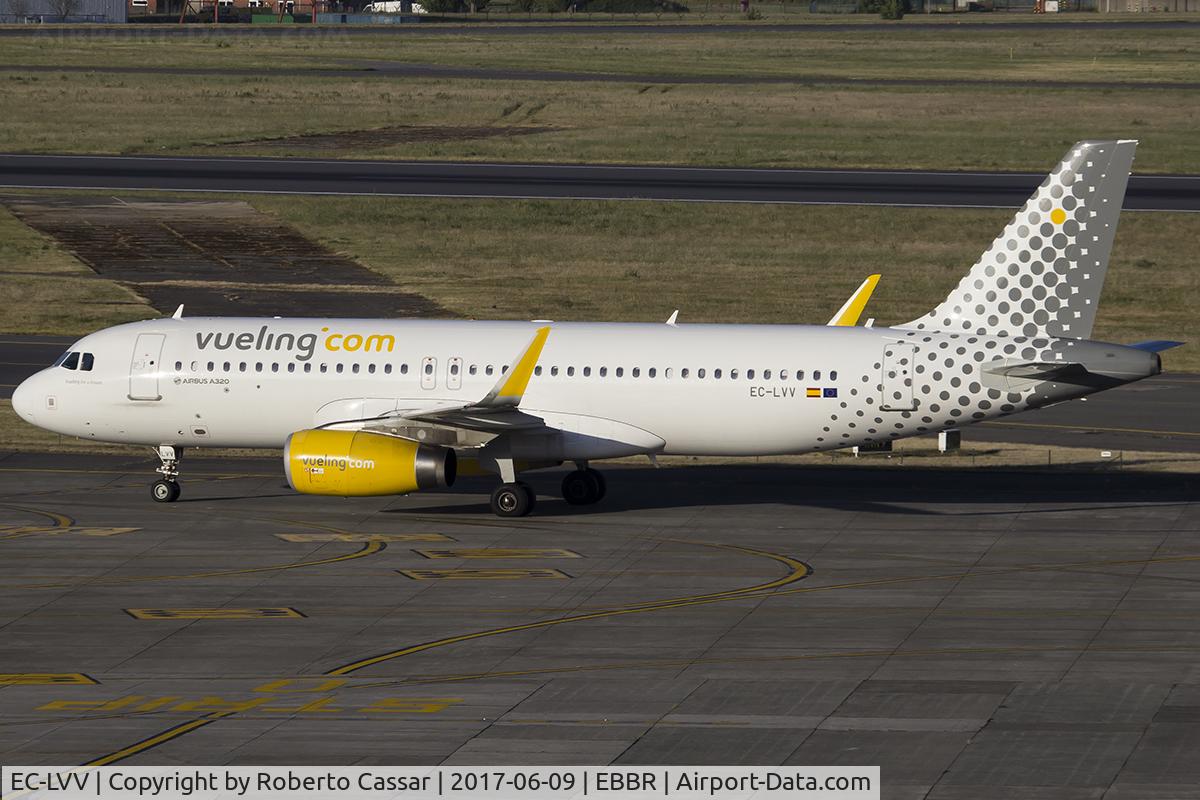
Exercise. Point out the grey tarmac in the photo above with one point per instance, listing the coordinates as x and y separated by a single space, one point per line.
561 181
976 634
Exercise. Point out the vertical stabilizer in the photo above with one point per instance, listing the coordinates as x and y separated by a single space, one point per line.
1043 275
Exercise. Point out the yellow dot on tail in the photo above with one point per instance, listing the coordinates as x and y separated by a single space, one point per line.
1058 216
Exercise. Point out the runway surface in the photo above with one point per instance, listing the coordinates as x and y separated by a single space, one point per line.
502 27
424 179
1157 414
388 69
976 634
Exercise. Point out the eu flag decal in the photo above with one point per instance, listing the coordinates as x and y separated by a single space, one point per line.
831 392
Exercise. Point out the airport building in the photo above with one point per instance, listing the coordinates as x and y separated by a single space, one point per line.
38 11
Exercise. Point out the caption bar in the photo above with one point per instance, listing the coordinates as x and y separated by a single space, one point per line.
427 783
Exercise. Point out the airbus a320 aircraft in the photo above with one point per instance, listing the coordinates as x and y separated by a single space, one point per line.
380 407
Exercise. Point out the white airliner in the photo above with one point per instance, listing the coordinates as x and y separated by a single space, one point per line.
378 407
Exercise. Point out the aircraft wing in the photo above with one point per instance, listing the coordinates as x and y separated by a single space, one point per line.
497 412
851 310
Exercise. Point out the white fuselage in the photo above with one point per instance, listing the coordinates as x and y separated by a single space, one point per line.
623 388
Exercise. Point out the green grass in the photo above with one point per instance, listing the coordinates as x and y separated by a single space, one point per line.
47 291
757 125
1033 53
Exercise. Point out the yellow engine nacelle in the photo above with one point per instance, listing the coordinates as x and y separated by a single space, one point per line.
363 464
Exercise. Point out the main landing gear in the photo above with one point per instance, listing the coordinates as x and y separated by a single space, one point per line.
583 487
515 498
166 489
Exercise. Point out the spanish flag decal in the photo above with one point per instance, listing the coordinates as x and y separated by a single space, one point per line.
812 391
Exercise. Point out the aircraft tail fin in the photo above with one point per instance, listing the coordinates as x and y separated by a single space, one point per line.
1043 275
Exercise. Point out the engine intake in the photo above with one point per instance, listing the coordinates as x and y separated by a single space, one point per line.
364 464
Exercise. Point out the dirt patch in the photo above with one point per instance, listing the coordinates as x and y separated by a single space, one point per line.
186 240
241 252
400 134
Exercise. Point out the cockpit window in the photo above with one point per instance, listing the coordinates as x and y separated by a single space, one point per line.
58 361
87 362
71 361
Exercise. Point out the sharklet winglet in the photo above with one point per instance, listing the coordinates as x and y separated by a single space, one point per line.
510 388
851 310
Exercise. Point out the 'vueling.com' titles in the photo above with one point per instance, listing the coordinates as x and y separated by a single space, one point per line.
303 345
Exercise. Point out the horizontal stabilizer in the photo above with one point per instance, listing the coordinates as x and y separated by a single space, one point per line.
1156 346
1039 370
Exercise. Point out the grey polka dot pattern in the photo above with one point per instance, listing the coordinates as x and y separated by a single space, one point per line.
1043 275
1023 312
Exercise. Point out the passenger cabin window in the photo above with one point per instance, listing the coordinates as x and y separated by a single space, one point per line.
178 365
404 369
604 372
637 372
799 374
387 369
749 374
340 368
587 372
833 375
570 372
489 369
816 374
683 373
700 372
717 373
537 370
354 368
733 373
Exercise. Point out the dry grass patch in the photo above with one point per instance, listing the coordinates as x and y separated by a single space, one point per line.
755 125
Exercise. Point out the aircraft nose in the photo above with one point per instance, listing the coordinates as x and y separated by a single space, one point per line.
23 400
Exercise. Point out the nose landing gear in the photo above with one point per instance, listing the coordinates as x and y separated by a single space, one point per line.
166 489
